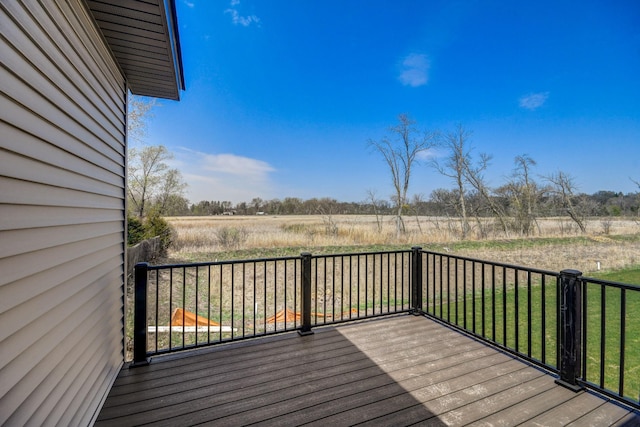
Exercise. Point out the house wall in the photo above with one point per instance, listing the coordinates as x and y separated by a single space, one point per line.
62 222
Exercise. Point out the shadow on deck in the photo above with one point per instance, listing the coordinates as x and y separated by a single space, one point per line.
397 370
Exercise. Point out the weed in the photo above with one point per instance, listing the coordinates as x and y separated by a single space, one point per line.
231 238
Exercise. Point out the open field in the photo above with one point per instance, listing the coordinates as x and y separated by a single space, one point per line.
557 246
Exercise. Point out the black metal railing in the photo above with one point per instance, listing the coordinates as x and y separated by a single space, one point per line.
190 305
513 307
355 286
611 338
584 330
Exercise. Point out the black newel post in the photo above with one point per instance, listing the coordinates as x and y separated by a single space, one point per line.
416 280
305 328
570 350
140 316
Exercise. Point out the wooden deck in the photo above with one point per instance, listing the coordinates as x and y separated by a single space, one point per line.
398 370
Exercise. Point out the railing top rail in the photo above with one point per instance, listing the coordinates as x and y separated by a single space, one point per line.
223 262
620 285
497 264
399 251
272 259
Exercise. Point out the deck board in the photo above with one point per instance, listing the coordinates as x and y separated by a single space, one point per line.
397 370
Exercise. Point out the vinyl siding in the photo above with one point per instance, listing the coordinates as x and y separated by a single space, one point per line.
62 191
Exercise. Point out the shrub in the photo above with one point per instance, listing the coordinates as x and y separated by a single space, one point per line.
152 226
157 226
136 232
231 238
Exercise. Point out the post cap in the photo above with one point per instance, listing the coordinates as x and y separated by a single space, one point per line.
570 272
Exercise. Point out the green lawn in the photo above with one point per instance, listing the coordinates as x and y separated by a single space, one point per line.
537 324
612 320
631 275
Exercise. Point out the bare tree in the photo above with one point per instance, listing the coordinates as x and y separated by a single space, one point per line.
400 151
453 166
138 111
418 200
328 208
458 165
176 205
171 186
523 194
638 184
563 188
150 180
375 204
474 175
445 201
293 205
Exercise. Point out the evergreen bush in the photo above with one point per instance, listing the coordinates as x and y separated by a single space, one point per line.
152 226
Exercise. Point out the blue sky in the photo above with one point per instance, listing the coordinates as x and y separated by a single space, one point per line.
283 95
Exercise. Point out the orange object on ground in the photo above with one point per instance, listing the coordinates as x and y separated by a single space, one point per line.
284 316
289 315
190 319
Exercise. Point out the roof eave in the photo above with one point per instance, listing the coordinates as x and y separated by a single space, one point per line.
144 40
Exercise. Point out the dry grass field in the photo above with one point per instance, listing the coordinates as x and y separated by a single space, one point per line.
610 243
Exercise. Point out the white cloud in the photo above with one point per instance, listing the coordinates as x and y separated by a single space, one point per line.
533 101
223 176
414 70
235 165
238 19
427 154
189 4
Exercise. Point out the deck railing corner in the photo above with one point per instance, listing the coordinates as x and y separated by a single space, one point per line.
570 339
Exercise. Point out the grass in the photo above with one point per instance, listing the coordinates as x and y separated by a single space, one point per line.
604 350
629 275
524 327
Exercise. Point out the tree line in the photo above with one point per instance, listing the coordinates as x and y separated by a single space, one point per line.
155 189
441 202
